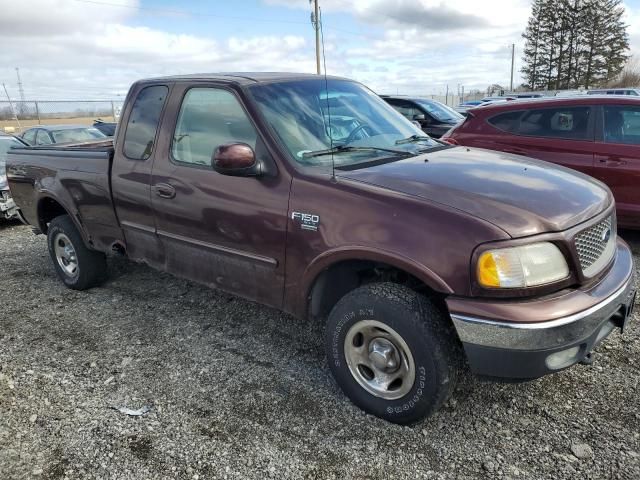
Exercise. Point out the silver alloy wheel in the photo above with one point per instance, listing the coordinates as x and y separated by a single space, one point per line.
379 359
66 255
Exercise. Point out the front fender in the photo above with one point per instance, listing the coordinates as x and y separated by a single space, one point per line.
345 253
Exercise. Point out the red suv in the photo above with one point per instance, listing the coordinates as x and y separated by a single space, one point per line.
597 135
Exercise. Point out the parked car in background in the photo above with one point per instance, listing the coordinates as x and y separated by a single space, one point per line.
417 256
464 106
434 117
529 95
634 92
108 128
597 135
470 103
570 93
49 134
498 99
8 209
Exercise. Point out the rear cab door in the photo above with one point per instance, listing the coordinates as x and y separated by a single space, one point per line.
135 152
617 157
224 231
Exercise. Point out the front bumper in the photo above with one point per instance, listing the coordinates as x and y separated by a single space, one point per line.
525 339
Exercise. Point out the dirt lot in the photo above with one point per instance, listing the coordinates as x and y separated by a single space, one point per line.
242 391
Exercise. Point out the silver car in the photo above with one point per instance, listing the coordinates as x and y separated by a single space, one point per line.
8 209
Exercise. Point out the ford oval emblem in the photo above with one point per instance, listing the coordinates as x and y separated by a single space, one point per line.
606 235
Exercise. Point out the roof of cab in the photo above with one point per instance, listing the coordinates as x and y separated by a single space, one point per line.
242 78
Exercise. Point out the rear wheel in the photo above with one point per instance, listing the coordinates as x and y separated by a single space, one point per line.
77 266
392 351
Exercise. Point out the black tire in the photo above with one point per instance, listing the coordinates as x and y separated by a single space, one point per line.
424 329
91 265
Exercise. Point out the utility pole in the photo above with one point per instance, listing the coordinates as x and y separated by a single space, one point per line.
315 21
513 56
20 91
15 115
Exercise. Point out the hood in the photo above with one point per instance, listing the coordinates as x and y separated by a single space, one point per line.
519 195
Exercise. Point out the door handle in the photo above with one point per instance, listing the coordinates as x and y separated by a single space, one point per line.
164 190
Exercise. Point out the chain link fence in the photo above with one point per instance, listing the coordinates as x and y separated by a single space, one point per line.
451 99
17 116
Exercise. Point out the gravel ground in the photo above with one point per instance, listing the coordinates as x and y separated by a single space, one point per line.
242 391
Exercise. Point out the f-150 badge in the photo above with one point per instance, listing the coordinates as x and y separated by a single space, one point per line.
308 221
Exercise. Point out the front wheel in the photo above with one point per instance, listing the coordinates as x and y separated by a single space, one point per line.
77 266
392 351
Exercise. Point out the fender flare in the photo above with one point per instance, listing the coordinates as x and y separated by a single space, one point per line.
46 195
334 256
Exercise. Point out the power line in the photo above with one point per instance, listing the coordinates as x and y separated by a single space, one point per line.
184 12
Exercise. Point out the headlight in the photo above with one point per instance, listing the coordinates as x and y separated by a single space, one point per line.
518 267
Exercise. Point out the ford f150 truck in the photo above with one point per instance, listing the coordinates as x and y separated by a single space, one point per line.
314 196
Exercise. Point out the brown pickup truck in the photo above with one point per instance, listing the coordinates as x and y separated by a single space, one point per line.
314 196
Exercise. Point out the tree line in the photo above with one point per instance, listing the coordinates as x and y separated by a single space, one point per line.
574 44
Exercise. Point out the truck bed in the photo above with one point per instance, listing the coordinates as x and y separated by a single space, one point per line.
78 177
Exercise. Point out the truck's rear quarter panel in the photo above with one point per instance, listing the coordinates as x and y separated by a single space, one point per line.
76 178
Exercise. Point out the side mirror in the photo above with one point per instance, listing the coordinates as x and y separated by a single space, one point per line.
419 116
237 160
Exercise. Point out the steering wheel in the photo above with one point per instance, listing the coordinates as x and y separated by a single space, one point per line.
357 130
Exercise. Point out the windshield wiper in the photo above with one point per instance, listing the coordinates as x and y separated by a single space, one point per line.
414 138
343 148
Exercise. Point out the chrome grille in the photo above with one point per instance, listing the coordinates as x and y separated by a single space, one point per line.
595 246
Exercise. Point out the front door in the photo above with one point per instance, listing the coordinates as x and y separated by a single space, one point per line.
227 232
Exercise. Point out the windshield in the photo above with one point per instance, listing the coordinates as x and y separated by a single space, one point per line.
5 144
77 135
311 116
439 111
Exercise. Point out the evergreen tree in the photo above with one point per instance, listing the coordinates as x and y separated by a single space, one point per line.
574 43
531 69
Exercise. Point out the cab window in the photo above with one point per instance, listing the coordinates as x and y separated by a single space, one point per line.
43 138
142 126
406 109
30 136
208 118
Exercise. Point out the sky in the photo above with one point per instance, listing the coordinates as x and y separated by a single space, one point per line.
94 49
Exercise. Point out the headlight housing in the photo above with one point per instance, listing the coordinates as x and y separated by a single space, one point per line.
521 267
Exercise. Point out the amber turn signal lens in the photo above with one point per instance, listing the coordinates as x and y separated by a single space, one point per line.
487 271
524 266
